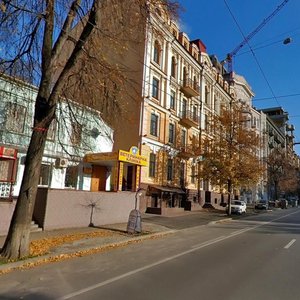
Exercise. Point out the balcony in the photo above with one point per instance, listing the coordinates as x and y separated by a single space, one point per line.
190 88
186 152
189 119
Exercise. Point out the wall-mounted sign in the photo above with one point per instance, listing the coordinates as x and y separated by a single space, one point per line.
8 153
133 157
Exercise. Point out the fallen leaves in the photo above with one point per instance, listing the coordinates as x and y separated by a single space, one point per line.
42 246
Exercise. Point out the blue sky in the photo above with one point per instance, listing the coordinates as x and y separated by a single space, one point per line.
212 22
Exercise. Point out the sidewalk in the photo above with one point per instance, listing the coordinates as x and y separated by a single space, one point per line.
58 245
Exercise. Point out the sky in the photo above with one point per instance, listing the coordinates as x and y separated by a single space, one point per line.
272 68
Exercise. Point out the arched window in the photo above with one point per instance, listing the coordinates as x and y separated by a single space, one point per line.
173 67
156 52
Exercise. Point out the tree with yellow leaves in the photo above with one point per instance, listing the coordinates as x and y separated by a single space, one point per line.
230 152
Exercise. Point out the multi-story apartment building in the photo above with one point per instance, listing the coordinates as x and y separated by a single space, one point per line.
169 89
279 136
182 90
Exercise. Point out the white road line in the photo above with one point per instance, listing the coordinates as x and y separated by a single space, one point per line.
290 244
197 247
220 238
240 231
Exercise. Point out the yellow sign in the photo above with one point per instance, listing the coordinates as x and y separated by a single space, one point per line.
121 170
133 157
137 177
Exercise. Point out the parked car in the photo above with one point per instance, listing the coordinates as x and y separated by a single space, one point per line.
261 205
237 207
283 203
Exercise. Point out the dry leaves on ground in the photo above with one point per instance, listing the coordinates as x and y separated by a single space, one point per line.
42 246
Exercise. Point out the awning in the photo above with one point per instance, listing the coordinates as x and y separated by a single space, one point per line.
166 189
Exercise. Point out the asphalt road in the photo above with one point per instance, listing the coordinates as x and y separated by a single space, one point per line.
256 257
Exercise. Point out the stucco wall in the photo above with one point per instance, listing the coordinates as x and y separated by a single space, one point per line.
67 208
55 209
6 211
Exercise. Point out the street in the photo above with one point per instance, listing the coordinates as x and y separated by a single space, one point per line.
253 257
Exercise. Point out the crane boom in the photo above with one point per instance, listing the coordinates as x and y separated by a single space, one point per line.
252 33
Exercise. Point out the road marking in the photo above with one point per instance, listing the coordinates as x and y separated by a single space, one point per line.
240 231
218 239
196 247
290 244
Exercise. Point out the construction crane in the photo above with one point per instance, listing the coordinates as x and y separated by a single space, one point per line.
230 55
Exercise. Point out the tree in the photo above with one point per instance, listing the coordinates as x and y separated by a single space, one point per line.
282 174
229 152
52 44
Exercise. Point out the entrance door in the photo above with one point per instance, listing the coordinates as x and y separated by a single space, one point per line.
98 178
129 178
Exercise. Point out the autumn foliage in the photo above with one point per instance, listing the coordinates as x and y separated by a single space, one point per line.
230 150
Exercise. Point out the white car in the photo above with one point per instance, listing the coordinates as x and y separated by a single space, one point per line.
237 207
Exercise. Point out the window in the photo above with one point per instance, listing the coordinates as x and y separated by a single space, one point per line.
154 124
206 95
51 130
172 100
183 138
45 175
171 133
156 52
76 130
182 174
152 165
193 175
15 117
170 169
195 84
205 122
71 177
185 76
173 67
155 88
195 114
184 108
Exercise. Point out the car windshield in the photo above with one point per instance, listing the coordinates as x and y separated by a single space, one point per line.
236 202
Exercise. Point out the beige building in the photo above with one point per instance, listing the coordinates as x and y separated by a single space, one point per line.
158 90
182 89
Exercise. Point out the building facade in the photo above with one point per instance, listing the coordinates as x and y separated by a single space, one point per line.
75 132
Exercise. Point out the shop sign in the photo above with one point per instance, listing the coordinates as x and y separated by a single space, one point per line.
133 157
8 152
98 157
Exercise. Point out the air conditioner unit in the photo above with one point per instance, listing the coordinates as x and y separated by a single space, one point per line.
61 162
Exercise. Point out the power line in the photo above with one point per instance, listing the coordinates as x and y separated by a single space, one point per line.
253 54
281 96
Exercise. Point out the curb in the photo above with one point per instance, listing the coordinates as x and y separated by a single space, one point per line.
83 251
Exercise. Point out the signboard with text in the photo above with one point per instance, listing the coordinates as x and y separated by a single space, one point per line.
133 157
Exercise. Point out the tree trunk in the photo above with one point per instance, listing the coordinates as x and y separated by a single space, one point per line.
17 241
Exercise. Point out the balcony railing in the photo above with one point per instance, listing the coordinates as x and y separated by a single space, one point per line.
190 88
189 118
